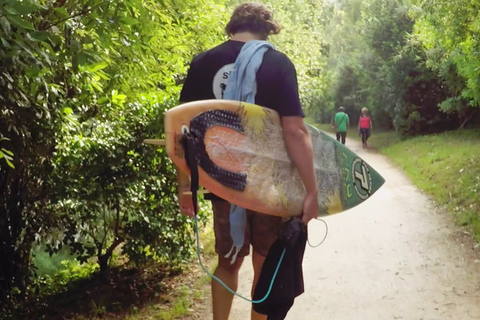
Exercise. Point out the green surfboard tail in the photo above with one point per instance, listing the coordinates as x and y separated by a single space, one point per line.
357 182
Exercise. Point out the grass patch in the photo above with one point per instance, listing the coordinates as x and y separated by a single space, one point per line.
310 121
446 167
383 139
324 127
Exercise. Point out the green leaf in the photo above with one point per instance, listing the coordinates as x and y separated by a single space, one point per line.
130 21
5 43
79 59
26 7
5 25
103 75
11 10
32 72
10 153
63 12
23 45
7 75
38 36
96 85
9 163
20 23
103 100
96 66
67 111
5 154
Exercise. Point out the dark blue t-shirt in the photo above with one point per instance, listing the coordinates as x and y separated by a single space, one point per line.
277 86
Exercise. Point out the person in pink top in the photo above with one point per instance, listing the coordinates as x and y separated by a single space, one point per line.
364 126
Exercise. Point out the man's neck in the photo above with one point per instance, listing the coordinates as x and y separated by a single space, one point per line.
245 36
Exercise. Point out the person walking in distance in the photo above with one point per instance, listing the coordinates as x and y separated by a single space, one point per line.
365 126
341 123
276 87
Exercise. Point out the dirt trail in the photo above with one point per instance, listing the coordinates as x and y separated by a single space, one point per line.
393 257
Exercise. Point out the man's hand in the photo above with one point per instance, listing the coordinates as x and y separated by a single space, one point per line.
185 202
310 207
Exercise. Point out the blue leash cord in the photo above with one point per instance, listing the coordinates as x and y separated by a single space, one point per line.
222 283
188 142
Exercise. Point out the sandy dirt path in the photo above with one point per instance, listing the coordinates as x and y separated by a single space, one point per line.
393 257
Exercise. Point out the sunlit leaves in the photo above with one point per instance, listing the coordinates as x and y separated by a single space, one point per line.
6 155
82 84
448 31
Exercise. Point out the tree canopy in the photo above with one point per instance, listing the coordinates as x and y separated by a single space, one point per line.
411 63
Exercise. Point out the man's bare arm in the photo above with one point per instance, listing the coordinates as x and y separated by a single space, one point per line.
299 145
184 201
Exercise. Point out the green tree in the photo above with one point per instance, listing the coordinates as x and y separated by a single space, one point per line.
378 64
448 33
82 84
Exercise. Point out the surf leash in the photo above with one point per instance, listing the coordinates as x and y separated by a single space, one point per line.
223 284
189 146
324 238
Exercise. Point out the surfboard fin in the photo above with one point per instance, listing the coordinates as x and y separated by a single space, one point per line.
158 142
203 191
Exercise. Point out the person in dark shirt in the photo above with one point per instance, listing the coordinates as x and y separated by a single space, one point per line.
277 88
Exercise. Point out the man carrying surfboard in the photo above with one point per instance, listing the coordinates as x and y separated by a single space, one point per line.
276 88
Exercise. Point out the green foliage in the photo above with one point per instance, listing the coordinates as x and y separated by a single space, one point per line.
71 271
385 65
6 155
82 84
448 32
380 60
303 40
46 264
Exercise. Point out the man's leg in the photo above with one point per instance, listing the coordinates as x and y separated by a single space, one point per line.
344 136
221 297
338 136
263 234
227 272
257 261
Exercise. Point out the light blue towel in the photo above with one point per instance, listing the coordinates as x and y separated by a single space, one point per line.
241 86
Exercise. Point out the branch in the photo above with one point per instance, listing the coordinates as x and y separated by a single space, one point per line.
472 114
118 239
84 11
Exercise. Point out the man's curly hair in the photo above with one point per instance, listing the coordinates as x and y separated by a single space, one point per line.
252 17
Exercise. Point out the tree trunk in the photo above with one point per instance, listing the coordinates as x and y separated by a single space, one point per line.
470 117
13 253
103 259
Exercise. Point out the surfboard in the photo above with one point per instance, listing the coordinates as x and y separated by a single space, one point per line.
242 157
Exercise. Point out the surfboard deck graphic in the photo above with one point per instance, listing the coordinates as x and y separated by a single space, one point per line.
242 158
